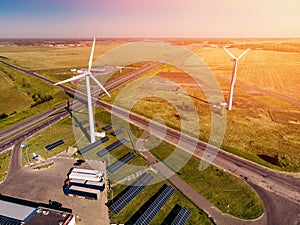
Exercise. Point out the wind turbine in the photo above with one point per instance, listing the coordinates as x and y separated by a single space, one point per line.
234 70
87 76
120 68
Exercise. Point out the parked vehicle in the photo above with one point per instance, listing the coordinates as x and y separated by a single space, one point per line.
83 192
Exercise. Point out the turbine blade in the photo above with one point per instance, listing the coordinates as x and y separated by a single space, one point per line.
100 85
243 54
70 79
231 55
91 56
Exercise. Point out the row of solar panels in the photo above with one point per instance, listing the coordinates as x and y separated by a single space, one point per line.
111 147
148 215
9 221
121 162
114 133
93 145
54 145
135 188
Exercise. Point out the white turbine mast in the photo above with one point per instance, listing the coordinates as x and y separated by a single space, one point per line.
234 71
87 76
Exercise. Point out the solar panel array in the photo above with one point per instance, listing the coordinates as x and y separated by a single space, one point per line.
107 127
111 147
93 145
116 132
129 195
182 217
54 145
155 206
9 221
121 162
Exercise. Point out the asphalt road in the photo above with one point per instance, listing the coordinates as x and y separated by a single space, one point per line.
12 130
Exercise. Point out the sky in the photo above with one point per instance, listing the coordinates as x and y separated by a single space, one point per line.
149 18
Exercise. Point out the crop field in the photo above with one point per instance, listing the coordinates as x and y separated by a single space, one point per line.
273 71
50 57
285 116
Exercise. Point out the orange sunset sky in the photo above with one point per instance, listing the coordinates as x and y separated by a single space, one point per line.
145 18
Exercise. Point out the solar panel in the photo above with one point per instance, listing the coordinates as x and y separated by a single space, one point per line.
121 162
107 127
128 196
117 132
54 145
182 217
93 145
9 221
111 147
155 206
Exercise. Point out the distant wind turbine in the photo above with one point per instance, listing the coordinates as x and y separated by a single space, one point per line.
234 70
87 76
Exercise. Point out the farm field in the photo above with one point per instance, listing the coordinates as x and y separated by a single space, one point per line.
273 71
53 57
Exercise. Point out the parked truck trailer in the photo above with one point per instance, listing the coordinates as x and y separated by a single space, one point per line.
83 176
86 183
83 192
87 171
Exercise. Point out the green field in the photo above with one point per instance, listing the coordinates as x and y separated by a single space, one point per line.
23 96
36 144
225 191
4 163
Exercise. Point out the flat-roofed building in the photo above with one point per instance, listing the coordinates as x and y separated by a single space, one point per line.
15 211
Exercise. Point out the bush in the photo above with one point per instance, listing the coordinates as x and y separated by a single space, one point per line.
39 99
3 116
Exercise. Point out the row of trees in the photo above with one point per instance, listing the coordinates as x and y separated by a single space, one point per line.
40 98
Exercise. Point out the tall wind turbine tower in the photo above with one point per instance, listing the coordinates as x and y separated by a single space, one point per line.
87 76
234 70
